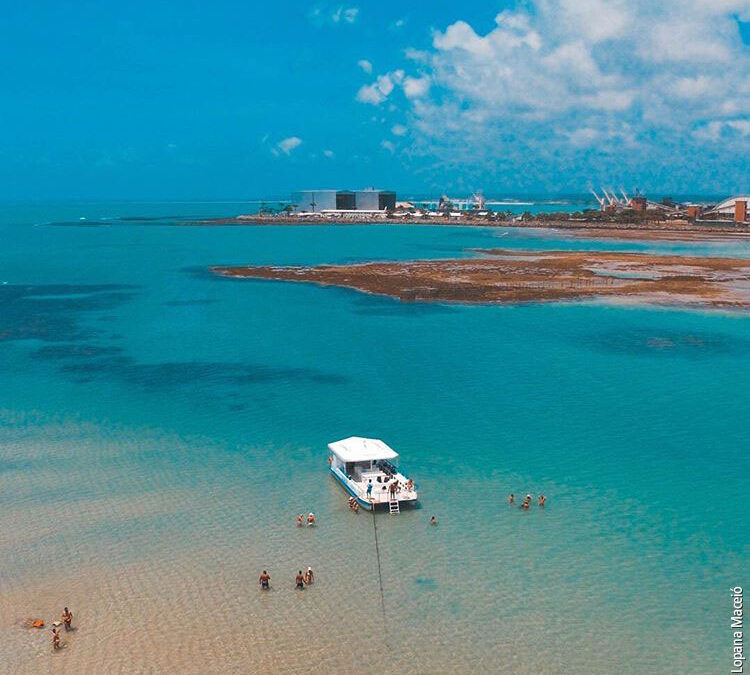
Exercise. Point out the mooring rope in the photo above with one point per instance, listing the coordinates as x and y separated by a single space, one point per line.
380 575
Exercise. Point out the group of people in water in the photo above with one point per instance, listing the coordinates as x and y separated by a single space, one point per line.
301 580
66 620
302 519
541 500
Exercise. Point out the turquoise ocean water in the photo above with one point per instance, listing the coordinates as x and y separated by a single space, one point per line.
160 427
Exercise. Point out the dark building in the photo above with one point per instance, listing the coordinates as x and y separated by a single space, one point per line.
371 199
368 199
345 200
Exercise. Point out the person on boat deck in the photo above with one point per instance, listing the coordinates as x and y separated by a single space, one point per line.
369 488
264 580
511 498
410 485
67 618
392 488
311 518
433 521
299 580
309 576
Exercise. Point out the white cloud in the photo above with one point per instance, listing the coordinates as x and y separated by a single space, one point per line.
418 55
569 76
322 15
416 86
388 145
287 145
328 153
344 14
398 130
378 91
365 65
717 129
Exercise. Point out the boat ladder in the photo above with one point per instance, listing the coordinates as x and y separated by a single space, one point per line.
394 507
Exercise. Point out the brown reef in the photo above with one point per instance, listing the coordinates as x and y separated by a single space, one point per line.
511 276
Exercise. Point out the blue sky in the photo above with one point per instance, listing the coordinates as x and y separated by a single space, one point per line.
239 100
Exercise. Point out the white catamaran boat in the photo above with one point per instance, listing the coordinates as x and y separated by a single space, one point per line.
358 463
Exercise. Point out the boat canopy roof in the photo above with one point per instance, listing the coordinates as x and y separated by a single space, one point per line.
358 449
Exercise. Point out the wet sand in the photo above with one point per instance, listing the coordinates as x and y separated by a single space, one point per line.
513 276
632 232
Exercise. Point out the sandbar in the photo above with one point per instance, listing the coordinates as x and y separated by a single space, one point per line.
515 276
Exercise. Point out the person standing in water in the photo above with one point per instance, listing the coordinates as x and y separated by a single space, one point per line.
309 576
299 580
433 520
511 498
67 619
264 580
55 639
542 500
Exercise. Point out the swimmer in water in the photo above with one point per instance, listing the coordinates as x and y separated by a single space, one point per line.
511 498
300 520
311 518
299 580
542 500
67 619
433 521
264 580
524 505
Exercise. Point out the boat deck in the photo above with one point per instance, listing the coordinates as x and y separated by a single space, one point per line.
357 486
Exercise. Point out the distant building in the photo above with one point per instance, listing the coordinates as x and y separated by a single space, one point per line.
369 199
734 208
639 203
322 200
693 211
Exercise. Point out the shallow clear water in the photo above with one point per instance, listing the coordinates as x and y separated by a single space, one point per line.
161 427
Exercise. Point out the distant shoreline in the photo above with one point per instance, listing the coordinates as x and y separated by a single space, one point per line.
650 230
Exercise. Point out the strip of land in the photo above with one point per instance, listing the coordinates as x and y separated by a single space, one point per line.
643 230
514 276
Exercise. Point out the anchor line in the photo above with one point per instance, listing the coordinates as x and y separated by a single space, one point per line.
380 576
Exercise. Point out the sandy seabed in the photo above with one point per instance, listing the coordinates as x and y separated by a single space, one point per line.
157 551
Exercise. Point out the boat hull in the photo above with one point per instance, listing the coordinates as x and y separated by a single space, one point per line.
362 501
345 483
